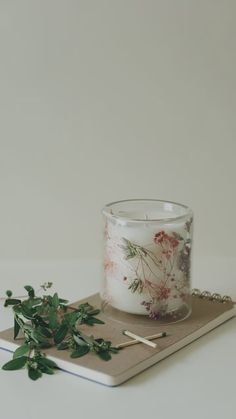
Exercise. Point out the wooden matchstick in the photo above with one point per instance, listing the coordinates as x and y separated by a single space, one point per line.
139 338
135 341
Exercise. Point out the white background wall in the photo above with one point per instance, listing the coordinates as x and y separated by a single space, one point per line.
103 100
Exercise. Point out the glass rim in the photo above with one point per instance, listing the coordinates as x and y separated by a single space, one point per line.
107 213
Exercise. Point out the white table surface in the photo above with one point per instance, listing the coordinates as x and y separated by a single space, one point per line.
198 381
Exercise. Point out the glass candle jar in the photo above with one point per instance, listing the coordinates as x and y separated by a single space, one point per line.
147 258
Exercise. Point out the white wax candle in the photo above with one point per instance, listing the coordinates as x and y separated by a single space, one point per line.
147 264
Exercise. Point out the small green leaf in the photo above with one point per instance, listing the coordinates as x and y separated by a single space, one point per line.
30 291
104 355
71 317
39 320
16 328
15 364
89 339
28 312
11 302
22 350
38 336
44 331
63 345
9 293
44 345
79 341
61 333
93 320
46 370
55 300
94 312
47 362
80 351
34 374
85 307
53 322
63 301
33 302
17 308
41 309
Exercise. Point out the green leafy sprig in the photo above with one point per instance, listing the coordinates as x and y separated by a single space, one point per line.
48 321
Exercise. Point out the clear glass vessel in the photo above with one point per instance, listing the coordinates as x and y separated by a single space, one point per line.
147 258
